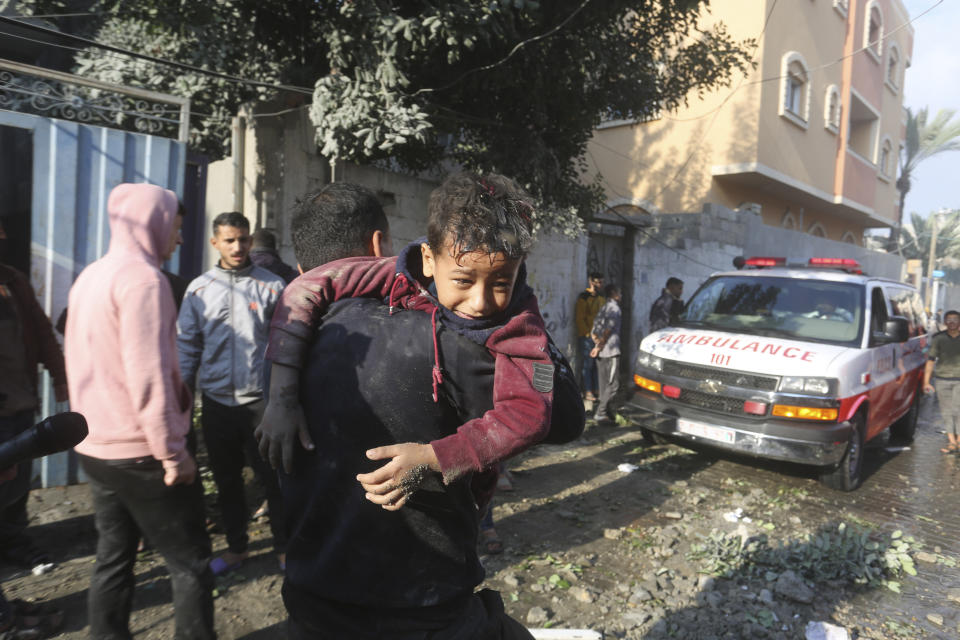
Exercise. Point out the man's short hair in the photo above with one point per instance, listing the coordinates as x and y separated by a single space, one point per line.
335 221
595 275
263 238
230 219
952 312
610 290
480 212
672 281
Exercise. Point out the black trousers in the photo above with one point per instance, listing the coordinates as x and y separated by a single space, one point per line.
480 617
228 433
129 496
15 493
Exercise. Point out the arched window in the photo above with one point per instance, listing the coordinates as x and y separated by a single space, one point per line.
816 229
873 30
848 237
788 221
892 79
795 90
885 158
831 109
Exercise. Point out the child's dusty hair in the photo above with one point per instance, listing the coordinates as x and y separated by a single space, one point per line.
488 212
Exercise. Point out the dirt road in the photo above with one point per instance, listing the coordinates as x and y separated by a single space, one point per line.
636 541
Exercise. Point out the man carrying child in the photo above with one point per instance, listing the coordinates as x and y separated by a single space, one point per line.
422 390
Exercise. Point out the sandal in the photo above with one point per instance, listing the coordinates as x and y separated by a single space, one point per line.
950 448
220 565
492 544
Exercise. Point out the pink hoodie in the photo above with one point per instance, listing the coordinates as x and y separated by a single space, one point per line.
120 340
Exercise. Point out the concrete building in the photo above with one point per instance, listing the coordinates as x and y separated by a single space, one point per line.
809 139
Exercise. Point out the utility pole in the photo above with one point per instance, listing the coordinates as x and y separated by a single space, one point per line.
931 261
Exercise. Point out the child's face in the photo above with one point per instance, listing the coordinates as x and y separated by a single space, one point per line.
472 285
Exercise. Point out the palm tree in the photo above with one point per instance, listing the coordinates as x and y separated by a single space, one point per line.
917 236
923 140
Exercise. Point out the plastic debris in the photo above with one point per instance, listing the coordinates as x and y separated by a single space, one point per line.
626 467
825 631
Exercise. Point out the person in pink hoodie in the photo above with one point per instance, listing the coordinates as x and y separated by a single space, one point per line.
123 376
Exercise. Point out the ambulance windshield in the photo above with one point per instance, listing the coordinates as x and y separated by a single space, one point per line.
792 308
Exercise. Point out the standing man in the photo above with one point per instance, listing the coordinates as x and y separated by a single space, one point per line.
668 306
222 333
606 349
123 375
26 339
264 254
588 304
944 356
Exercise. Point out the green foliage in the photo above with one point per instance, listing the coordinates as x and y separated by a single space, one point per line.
513 86
835 552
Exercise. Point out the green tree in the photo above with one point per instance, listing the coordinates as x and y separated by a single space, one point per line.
917 237
923 140
514 86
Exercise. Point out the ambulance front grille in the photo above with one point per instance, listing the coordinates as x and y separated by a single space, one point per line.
712 402
727 377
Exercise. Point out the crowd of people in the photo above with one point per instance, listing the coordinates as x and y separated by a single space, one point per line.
375 397
383 451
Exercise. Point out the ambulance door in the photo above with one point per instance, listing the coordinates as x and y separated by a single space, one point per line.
883 392
902 305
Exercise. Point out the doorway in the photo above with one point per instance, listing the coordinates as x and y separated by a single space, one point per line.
16 183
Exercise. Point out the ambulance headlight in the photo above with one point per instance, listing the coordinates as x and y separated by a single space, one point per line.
816 386
649 361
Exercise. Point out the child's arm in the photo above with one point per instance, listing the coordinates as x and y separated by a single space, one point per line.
297 315
520 417
305 301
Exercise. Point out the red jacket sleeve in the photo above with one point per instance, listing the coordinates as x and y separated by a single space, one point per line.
522 401
305 301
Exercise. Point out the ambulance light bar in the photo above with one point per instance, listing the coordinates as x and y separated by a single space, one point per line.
765 262
847 264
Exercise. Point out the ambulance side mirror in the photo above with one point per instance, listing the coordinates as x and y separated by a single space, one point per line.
896 329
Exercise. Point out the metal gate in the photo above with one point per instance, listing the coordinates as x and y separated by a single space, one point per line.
74 166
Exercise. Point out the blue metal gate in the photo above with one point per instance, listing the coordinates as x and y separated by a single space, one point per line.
75 166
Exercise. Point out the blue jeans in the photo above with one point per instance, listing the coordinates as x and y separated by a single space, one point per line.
588 367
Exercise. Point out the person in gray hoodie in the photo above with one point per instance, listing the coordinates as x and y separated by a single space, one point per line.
222 334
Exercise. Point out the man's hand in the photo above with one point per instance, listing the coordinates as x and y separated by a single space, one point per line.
391 485
184 473
283 420
595 351
928 388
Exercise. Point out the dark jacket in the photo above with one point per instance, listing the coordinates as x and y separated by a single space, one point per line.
270 260
353 568
39 343
516 338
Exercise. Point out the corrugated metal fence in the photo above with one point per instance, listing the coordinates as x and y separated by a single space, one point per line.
74 168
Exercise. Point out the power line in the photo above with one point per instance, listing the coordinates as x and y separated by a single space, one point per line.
60 15
143 56
502 61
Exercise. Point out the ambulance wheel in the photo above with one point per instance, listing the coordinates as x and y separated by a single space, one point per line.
651 437
846 475
904 429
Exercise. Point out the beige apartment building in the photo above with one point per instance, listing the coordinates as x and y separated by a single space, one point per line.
809 138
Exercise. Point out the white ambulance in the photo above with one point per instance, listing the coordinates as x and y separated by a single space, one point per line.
802 363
